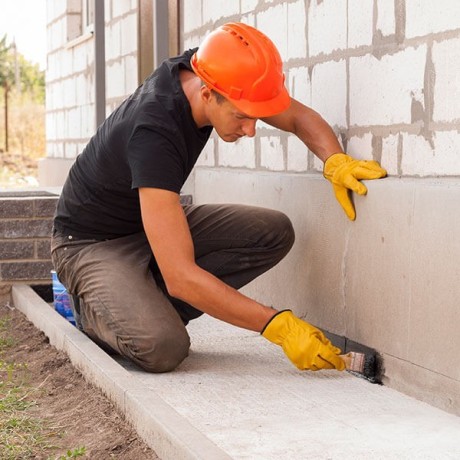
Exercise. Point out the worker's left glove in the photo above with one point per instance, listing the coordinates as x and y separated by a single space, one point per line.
305 345
344 173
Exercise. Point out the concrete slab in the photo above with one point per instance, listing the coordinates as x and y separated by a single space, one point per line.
237 396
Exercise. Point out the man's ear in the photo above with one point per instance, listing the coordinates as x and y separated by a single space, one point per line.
206 94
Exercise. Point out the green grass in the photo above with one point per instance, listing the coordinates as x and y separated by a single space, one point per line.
21 435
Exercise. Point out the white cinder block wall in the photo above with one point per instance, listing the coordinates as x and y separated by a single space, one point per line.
70 81
385 75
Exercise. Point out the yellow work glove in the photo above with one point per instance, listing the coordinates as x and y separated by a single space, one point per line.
305 345
344 173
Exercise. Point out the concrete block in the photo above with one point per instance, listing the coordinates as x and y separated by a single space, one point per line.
299 85
424 17
273 22
192 17
434 340
327 26
129 40
216 9
248 5
65 58
88 123
43 248
271 153
378 270
69 92
297 38
360 23
82 56
113 41
16 250
436 158
389 159
16 207
446 55
84 89
207 157
74 123
120 9
381 89
70 149
45 207
238 154
39 270
131 74
22 228
386 20
115 80
297 155
360 147
329 92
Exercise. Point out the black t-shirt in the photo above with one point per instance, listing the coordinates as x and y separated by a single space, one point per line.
150 140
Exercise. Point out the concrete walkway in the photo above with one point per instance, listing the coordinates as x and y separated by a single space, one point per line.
236 396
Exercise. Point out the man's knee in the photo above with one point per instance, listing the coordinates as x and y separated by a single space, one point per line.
280 231
160 353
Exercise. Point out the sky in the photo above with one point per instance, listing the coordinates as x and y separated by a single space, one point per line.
25 21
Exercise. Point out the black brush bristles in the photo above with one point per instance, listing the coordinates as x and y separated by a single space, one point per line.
367 366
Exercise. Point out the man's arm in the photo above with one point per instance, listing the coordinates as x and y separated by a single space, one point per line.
309 127
343 171
169 236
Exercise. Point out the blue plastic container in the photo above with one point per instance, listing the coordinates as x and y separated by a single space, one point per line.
61 299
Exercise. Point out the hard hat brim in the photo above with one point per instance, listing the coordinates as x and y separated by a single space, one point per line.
263 109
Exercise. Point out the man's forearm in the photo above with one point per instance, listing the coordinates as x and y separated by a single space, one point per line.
309 127
210 295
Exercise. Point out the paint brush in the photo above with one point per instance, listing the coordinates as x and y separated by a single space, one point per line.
368 366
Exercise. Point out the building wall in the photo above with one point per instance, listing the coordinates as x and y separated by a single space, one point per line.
384 74
70 85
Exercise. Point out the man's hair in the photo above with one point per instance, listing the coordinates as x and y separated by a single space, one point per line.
219 98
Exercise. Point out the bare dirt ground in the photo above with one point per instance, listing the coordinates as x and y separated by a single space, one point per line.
73 413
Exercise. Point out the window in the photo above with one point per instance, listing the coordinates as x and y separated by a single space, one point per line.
87 15
80 20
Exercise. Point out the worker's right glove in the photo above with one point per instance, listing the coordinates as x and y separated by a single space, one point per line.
305 345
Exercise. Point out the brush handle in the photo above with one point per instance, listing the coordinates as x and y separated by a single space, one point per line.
354 361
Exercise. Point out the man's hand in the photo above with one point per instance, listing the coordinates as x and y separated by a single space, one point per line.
305 345
344 173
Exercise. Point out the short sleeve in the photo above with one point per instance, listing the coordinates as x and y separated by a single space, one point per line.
155 161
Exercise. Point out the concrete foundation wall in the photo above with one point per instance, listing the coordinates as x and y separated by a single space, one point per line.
389 280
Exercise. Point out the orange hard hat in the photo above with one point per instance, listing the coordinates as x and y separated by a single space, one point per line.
243 65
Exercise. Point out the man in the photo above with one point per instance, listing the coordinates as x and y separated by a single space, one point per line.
142 264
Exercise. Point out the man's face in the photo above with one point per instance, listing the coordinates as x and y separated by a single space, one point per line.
229 123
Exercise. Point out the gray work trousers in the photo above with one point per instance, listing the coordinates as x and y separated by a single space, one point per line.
125 305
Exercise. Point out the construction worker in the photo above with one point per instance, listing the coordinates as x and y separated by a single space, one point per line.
142 264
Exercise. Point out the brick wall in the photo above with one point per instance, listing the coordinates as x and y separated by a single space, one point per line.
25 229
